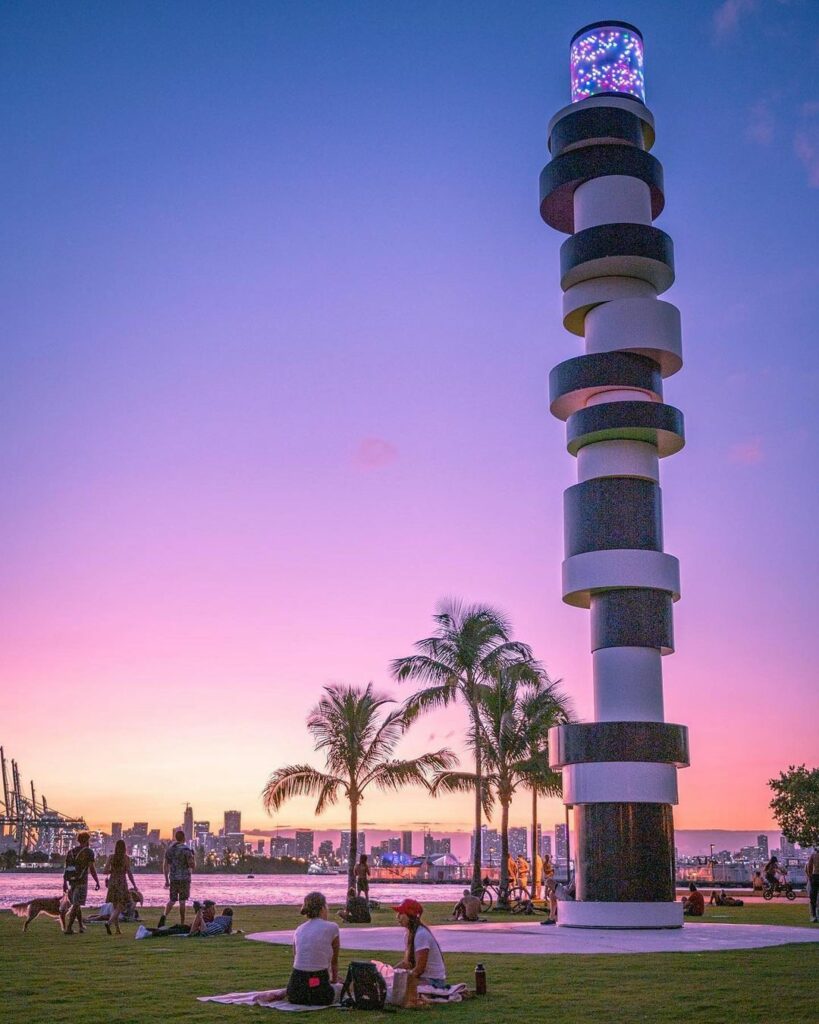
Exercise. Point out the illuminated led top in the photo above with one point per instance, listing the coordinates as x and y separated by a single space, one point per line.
607 57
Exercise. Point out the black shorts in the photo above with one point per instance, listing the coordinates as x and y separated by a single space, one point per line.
310 988
180 889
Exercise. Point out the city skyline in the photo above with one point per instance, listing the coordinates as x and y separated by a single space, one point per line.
257 428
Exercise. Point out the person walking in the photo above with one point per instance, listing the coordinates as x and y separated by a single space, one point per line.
79 863
178 867
812 874
119 871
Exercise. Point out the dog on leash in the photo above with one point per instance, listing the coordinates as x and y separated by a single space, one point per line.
52 906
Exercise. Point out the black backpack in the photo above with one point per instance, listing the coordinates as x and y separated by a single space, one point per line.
363 988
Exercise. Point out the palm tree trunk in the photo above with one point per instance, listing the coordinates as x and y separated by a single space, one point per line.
477 884
503 899
353 855
535 850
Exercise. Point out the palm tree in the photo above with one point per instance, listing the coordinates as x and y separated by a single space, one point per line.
350 726
472 643
511 755
542 706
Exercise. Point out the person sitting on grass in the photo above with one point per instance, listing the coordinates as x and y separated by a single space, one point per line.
357 910
694 902
422 955
207 923
467 908
315 964
721 899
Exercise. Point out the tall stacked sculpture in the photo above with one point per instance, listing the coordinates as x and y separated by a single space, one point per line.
604 189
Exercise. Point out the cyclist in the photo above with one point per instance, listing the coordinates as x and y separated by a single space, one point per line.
773 872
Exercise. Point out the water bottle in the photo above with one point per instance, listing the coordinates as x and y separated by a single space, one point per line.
480 980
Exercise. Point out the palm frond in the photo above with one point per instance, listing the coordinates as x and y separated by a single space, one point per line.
296 780
464 782
396 774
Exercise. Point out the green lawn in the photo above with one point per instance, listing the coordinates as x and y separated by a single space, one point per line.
47 977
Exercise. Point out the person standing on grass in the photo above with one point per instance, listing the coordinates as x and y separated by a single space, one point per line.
362 877
79 863
812 874
178 867
119 871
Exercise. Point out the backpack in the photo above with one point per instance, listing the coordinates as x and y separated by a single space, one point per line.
363 988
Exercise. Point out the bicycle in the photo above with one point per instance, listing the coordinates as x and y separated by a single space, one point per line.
778 889
517 896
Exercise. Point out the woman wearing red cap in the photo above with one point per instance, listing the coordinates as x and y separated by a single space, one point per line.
423 956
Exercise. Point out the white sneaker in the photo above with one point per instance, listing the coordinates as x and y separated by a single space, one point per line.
142 932
813 920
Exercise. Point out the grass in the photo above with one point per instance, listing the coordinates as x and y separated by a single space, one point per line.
47 977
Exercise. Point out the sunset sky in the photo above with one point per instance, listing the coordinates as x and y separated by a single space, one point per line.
278 314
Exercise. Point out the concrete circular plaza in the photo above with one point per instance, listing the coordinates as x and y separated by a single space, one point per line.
527 937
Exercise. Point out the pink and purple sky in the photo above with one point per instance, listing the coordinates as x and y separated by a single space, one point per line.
279 313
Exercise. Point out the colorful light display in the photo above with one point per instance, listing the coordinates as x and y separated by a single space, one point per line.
607 58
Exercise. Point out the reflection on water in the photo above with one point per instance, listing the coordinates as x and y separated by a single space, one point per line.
233 889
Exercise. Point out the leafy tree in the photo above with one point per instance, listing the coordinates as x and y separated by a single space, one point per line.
471 645
358 736
9 859
796 804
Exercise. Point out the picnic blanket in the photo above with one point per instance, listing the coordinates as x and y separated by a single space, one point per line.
274 998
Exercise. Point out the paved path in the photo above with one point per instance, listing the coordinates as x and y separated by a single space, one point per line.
535 938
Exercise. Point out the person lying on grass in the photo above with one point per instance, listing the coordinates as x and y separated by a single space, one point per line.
422 956
207 923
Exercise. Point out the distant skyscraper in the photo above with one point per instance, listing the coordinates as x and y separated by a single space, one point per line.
140 828
561 845
304 844
394 844
188 823
406 843
786 848
517 842
344 845
233 822
201 831
545 846
116 830
762 843
282 846
325 850
490 846
260 847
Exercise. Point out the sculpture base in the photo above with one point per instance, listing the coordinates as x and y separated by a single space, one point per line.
619 915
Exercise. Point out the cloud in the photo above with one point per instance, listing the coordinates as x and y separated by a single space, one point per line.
806 147
746 453
760 127
374 453
729 14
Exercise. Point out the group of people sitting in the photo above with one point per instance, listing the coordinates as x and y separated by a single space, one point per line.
314 979
694 902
